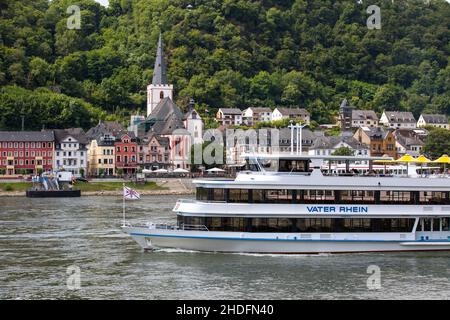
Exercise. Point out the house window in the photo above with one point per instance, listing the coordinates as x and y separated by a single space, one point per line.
161 95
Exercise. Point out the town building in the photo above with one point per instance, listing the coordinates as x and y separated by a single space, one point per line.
408 142
308 138
135 121
26 152
229 116
193 123
126 153
295 114
71 152
156 152
252 116
381 141
433 120
101 149
398 120
326 146
345 115
364 118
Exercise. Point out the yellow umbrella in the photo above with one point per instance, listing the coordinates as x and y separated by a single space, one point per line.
385 162
422 159
406 158
444 159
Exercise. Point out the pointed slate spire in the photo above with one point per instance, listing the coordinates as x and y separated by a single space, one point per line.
160 71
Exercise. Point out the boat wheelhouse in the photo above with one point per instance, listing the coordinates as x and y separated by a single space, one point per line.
288 204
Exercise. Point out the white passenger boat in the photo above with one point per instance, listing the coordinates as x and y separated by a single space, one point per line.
285 204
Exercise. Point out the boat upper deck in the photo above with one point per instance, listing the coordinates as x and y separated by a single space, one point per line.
310 177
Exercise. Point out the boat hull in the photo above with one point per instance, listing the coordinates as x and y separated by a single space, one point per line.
53 193
230 242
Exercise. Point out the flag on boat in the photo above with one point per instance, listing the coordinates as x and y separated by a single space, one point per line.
130 194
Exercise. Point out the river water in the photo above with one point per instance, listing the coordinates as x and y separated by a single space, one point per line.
41 238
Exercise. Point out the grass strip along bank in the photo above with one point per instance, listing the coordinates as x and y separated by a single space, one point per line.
85 186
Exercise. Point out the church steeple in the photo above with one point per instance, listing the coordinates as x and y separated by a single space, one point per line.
159 88
160 70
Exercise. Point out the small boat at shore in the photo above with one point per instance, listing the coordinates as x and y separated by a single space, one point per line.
58 185
285 204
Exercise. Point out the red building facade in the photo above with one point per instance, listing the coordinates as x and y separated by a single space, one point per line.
126 149
26 152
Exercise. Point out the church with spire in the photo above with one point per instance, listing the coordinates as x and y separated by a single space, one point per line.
166 121
159 88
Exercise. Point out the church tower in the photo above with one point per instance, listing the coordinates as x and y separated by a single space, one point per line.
159 89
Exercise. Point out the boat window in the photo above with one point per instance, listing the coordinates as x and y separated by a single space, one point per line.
269 164
445 224
309 225
218 195
293 166
427 224
395 197
278 196
357 196
321 196
434 197
436 224
202 194
238 195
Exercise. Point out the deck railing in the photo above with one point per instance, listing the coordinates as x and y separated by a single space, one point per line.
187 227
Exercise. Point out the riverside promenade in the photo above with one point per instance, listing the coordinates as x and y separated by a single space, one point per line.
109 187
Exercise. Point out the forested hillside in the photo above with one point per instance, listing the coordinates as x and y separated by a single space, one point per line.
230 53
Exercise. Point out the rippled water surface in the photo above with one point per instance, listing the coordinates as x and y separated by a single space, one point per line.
41 238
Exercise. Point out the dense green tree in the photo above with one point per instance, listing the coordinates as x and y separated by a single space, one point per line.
438 143
233 53
343 151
